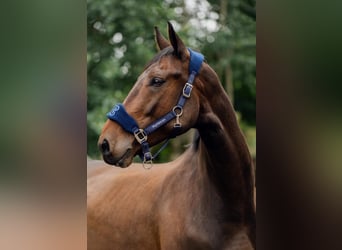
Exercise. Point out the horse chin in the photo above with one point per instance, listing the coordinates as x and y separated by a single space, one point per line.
122 161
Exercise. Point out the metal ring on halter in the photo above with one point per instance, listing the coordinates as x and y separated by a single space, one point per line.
178 114
175 108
148 163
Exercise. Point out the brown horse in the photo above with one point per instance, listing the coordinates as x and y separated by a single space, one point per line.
202 200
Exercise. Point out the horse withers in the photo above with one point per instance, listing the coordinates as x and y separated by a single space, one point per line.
202 200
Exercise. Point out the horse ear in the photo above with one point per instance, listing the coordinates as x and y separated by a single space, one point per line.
161 41
177 44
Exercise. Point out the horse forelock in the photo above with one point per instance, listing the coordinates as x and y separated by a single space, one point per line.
165 52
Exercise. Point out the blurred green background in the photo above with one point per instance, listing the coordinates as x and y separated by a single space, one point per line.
120 42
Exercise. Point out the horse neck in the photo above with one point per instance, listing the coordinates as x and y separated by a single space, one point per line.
223 152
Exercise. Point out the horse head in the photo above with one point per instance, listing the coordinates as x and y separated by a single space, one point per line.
160 98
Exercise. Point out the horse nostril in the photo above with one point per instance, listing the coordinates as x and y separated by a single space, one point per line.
104 146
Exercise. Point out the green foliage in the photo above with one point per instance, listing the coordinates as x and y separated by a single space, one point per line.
121 42
235 44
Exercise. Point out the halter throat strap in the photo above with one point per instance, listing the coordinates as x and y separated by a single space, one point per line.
129 124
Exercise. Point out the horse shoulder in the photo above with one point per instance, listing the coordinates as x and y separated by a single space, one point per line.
121 206
183 221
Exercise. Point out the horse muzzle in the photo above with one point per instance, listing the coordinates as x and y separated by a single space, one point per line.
117 148
123 160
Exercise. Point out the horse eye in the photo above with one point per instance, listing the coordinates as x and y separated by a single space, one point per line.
157 82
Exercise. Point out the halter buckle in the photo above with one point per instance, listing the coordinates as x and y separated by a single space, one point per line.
140 135
187 90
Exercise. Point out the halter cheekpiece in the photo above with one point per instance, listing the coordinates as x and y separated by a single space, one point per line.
128 123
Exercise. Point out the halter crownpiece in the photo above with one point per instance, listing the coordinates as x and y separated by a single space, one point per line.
128 123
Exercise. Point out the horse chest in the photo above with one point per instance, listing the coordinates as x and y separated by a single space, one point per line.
186 225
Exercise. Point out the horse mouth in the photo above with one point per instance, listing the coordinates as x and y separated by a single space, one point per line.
122 161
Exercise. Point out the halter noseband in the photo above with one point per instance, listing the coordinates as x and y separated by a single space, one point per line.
128 123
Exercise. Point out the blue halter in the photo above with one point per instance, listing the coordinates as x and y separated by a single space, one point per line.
128 123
